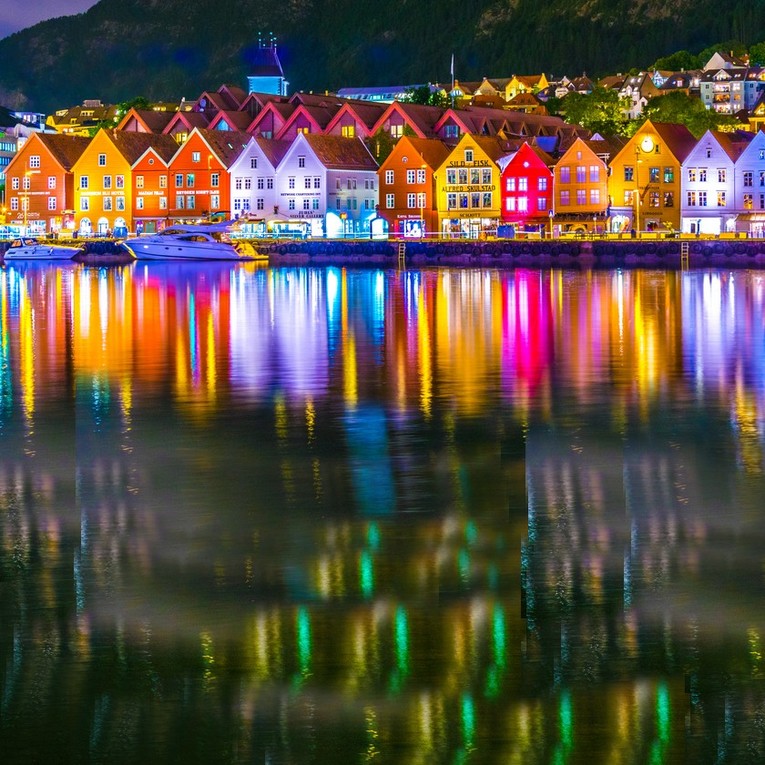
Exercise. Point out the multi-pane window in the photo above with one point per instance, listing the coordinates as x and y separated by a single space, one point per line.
541 203
702 199
238 184
581 174
702 175
307 181
653 174
179 180
411 200
748 201
139 203
653 199
163 181
34 161
748 179
594 196
119 181
195 156
84 181
721 175
523 184
565 198
51 203
51 181
581 196
107 202
119 203
390 201
594 173
260 203
691 198
291 182
691 174
421 175
102 160
190 180
389 176
669 175
421 199
542 184
721 199
411 176
301 161
565 174
253 163
215 181
190 202
669 199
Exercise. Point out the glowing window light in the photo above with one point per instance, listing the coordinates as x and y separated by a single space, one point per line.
366 574
662 713
402 640
373 536
303 629
468 721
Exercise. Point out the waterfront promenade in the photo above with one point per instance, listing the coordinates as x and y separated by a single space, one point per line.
593 252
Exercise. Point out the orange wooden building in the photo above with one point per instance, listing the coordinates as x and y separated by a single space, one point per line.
39 183
198 173
407 198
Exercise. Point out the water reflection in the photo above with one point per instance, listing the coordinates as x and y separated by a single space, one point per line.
297 515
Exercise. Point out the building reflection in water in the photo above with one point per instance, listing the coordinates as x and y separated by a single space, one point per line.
298 515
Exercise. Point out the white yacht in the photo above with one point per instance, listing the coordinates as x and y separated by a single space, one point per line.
29 248
204 241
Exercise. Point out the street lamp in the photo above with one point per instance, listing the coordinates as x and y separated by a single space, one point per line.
423 167
25 199
551 214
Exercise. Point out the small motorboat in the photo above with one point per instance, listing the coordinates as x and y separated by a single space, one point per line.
30 248
203 241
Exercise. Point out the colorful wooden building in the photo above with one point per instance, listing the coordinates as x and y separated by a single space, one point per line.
198 173
527 189
645 178
39 189
467 185
407 190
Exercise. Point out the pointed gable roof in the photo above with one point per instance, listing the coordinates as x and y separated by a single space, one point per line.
234 120
279 110
65 149
147 120
273 150
132 145
432 151
364 113
227 145
186 120
679 140
338 153
422 119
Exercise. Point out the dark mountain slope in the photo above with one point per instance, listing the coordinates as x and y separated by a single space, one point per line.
165 49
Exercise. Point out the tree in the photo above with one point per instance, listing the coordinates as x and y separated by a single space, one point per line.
678 61
424 95
601 111
757 54
678 107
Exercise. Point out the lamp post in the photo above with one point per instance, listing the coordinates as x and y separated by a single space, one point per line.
25 201
637 188
423 167
551 215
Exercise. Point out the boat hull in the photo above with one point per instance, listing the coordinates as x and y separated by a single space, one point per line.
42 252
146 250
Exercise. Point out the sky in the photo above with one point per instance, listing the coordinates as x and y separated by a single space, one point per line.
19 14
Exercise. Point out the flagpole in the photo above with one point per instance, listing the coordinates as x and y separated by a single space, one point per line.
451 92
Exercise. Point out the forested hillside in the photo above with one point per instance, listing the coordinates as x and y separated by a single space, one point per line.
165 49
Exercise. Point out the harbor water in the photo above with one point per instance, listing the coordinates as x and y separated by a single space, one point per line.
295 515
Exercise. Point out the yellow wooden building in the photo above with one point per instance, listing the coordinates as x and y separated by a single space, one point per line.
467 186
644 183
